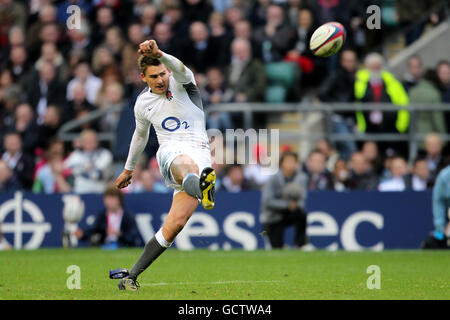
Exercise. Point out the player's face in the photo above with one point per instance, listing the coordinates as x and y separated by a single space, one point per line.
157 78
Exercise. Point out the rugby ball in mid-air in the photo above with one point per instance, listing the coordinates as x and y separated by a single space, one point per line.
327 39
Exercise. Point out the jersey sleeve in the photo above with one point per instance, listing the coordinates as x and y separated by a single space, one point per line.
138 141
181 73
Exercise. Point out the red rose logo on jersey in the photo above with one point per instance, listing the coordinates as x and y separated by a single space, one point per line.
169 95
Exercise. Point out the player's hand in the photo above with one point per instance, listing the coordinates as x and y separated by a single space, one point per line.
150 48
124 179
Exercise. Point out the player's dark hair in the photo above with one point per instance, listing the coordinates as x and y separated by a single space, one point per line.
146 61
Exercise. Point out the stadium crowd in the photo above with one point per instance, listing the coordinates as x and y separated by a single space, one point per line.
50 74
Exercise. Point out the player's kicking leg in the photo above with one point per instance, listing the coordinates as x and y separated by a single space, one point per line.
184 172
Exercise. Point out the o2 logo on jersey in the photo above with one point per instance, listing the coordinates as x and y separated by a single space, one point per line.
173 124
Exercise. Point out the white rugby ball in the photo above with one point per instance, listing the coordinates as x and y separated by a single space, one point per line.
327 39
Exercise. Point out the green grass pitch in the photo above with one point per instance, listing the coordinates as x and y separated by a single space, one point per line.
236 274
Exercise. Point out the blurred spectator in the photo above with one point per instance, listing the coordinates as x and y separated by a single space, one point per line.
80 38
361 177
91 83
159 184
339 87
200 51
6 81
196 10
258 12
216 92
233 15
103 58
25 125
409 15
377 85
113 98
414 73
147 182
426 92
166 41
340 174
433 153
419 179
115 42
283 202
173 15
313 69
19 65
54 147
142 182
293 11
234 180
148 19
78 105
254 172
370 152
336 10
274 38
304 31
91 165
443 73
17 160
8 179
104 20
50 32
52 177
15 37
50 53
10 98
114 226
13 13
245 76
130 50
319 178
44 89
243 30
397 181
331 155
221 37
47 14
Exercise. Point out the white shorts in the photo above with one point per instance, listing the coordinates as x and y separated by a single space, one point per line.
168 151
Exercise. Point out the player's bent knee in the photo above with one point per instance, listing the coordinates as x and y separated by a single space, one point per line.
181 166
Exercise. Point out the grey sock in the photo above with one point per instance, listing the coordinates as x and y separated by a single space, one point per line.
191 185
151 252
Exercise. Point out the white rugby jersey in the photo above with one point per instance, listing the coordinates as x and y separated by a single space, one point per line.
176 116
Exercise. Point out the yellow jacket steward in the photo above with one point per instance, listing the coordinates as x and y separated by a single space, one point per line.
394 90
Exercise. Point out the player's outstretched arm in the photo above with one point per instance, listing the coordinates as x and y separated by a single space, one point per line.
137 145
181 73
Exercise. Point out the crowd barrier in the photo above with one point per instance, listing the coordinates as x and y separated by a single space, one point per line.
336 220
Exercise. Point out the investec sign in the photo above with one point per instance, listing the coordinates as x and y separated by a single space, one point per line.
37 227
362 221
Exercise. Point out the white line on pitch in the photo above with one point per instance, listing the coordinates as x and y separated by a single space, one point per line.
213 282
